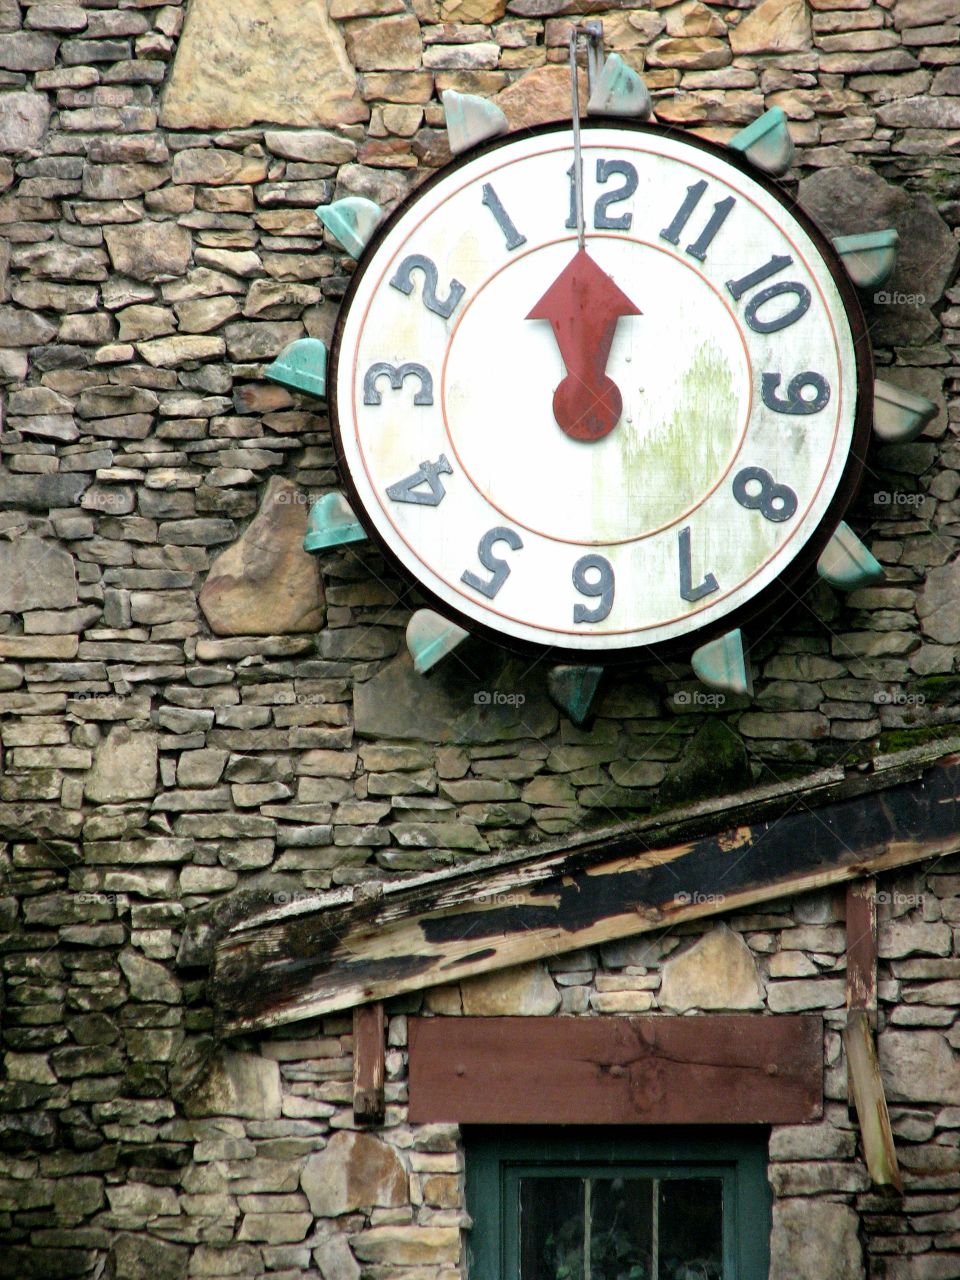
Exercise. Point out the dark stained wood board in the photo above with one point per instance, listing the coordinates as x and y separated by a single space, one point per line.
862 946
338 951
723 1069
369 1064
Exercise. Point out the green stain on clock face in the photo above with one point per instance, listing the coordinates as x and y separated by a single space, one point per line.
669 462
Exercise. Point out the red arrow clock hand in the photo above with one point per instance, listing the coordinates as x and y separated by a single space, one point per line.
583 305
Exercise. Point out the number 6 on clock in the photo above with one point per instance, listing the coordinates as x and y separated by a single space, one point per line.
603 587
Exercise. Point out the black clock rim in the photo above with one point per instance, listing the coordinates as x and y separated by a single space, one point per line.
787 590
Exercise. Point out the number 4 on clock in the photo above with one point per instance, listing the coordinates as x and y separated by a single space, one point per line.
408 489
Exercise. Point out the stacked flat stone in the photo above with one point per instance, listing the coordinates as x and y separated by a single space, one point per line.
194 710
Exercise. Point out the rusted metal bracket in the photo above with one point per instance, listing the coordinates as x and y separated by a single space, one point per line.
369 1065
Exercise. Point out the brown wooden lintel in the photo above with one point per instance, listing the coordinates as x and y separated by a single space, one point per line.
656 1069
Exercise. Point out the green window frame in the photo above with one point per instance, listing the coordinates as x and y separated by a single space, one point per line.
497 1158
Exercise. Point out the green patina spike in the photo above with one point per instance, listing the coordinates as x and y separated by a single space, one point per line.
899 415
619 91
331 523
302 367
722 664
846 563
766 143
351 221
573 690
471 120
430 638
869 258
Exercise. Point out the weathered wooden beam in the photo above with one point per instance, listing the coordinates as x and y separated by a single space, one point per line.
368 1063
862 947
866 1088
338 951
725 1069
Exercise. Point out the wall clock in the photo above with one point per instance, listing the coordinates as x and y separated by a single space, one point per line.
602 389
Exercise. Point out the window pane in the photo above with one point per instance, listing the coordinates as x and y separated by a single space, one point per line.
551 1229
691 1229
621 1237
574 1228
554 1239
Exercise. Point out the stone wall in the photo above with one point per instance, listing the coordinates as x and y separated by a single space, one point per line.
258 1169
191 706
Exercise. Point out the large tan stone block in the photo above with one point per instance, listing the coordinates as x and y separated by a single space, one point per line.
354 1171
36 574
261 61
266 584
718 972
408 1246
815 1238
918 1066
527 989
237 1084
124 768
540 96
385 44
776 26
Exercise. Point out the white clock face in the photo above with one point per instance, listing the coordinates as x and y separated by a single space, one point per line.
604 449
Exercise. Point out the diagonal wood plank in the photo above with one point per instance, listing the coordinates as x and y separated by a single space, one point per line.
337 951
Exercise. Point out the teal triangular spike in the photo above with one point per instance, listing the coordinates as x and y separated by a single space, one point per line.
352 221
573 690
722 664
869 258
899 415
846 563
619 91
302 367
331 523
766 143
430 638
471 120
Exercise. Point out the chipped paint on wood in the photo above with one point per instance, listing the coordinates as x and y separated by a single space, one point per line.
332 953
